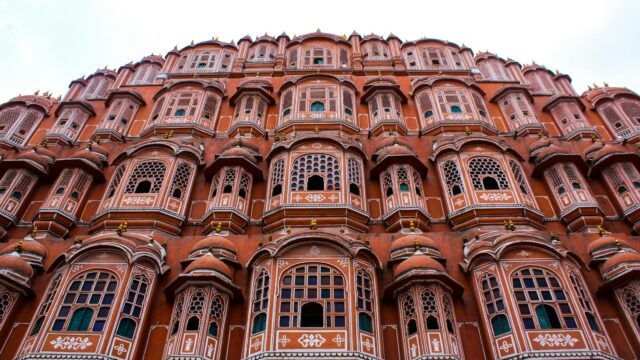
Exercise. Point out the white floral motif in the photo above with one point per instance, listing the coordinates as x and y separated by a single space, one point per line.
284 340
523 253
282 263
256 343
506 346
311 340
120 348
71 343
556 340
343 262
367 344
315 197
338 340
494 197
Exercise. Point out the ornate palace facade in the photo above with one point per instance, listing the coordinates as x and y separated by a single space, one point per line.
321 197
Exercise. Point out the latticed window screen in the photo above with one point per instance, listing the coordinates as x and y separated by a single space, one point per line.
347 102
6 302
557 182
195 310
152 171
479 103
631 300
263 52
365 296
144 74
516 170
157 108
430 311
243 187
287 103
229 180
482 167
115 181
318 56
448 314
354 171
87 303
387 183
182 104
203 60
453 101
210 108
344 58
277 174
177 314
97 88
312 284
417 183
376 50
612 116
632 110
452 177
411 58
8 117
541 300
630 171
493 69
434 56
293 57
180 181
17 124
323 165
216 310
46 304
323 94
409 313
426 105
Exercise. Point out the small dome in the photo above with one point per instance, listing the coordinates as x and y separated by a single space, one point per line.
208 263
86 154
35 157
395 149
97 148
621 258
418 261
45 152
591 149
541 143
29 246
238 151
388 141
410 241
605 242
215 242
550 150
14 263
608 150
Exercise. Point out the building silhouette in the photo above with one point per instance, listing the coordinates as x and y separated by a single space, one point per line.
321 197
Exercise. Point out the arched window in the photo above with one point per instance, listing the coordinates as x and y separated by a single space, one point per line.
133 306
277 177
149 172
46 304
540 289
181 180
494 304
315 182
311 315
87 303
215 315
194 312
354 174
448 313
259 323
456 109
308 291
318 56
630 298
315 167
317 106
365 296
387 183
177 315
430 310
481 168
452 177
516 170
115 181
260 302
409 312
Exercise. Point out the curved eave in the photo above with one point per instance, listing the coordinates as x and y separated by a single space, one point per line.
222 161
344 144
418 41
425 276
457 144
373 89
251 90
22 287
134 95
609 159
28 105
508 89
553 101
542 164
211 279
84 105
303 78
32 166
176 149
77 163
419 84
205 85
611 96
389 160
298 40
608 285
218 44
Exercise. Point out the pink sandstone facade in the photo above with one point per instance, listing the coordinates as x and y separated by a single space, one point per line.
321 197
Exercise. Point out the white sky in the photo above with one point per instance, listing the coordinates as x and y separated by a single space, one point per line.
46 44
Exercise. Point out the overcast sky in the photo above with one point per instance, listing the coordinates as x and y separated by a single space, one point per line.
46 44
